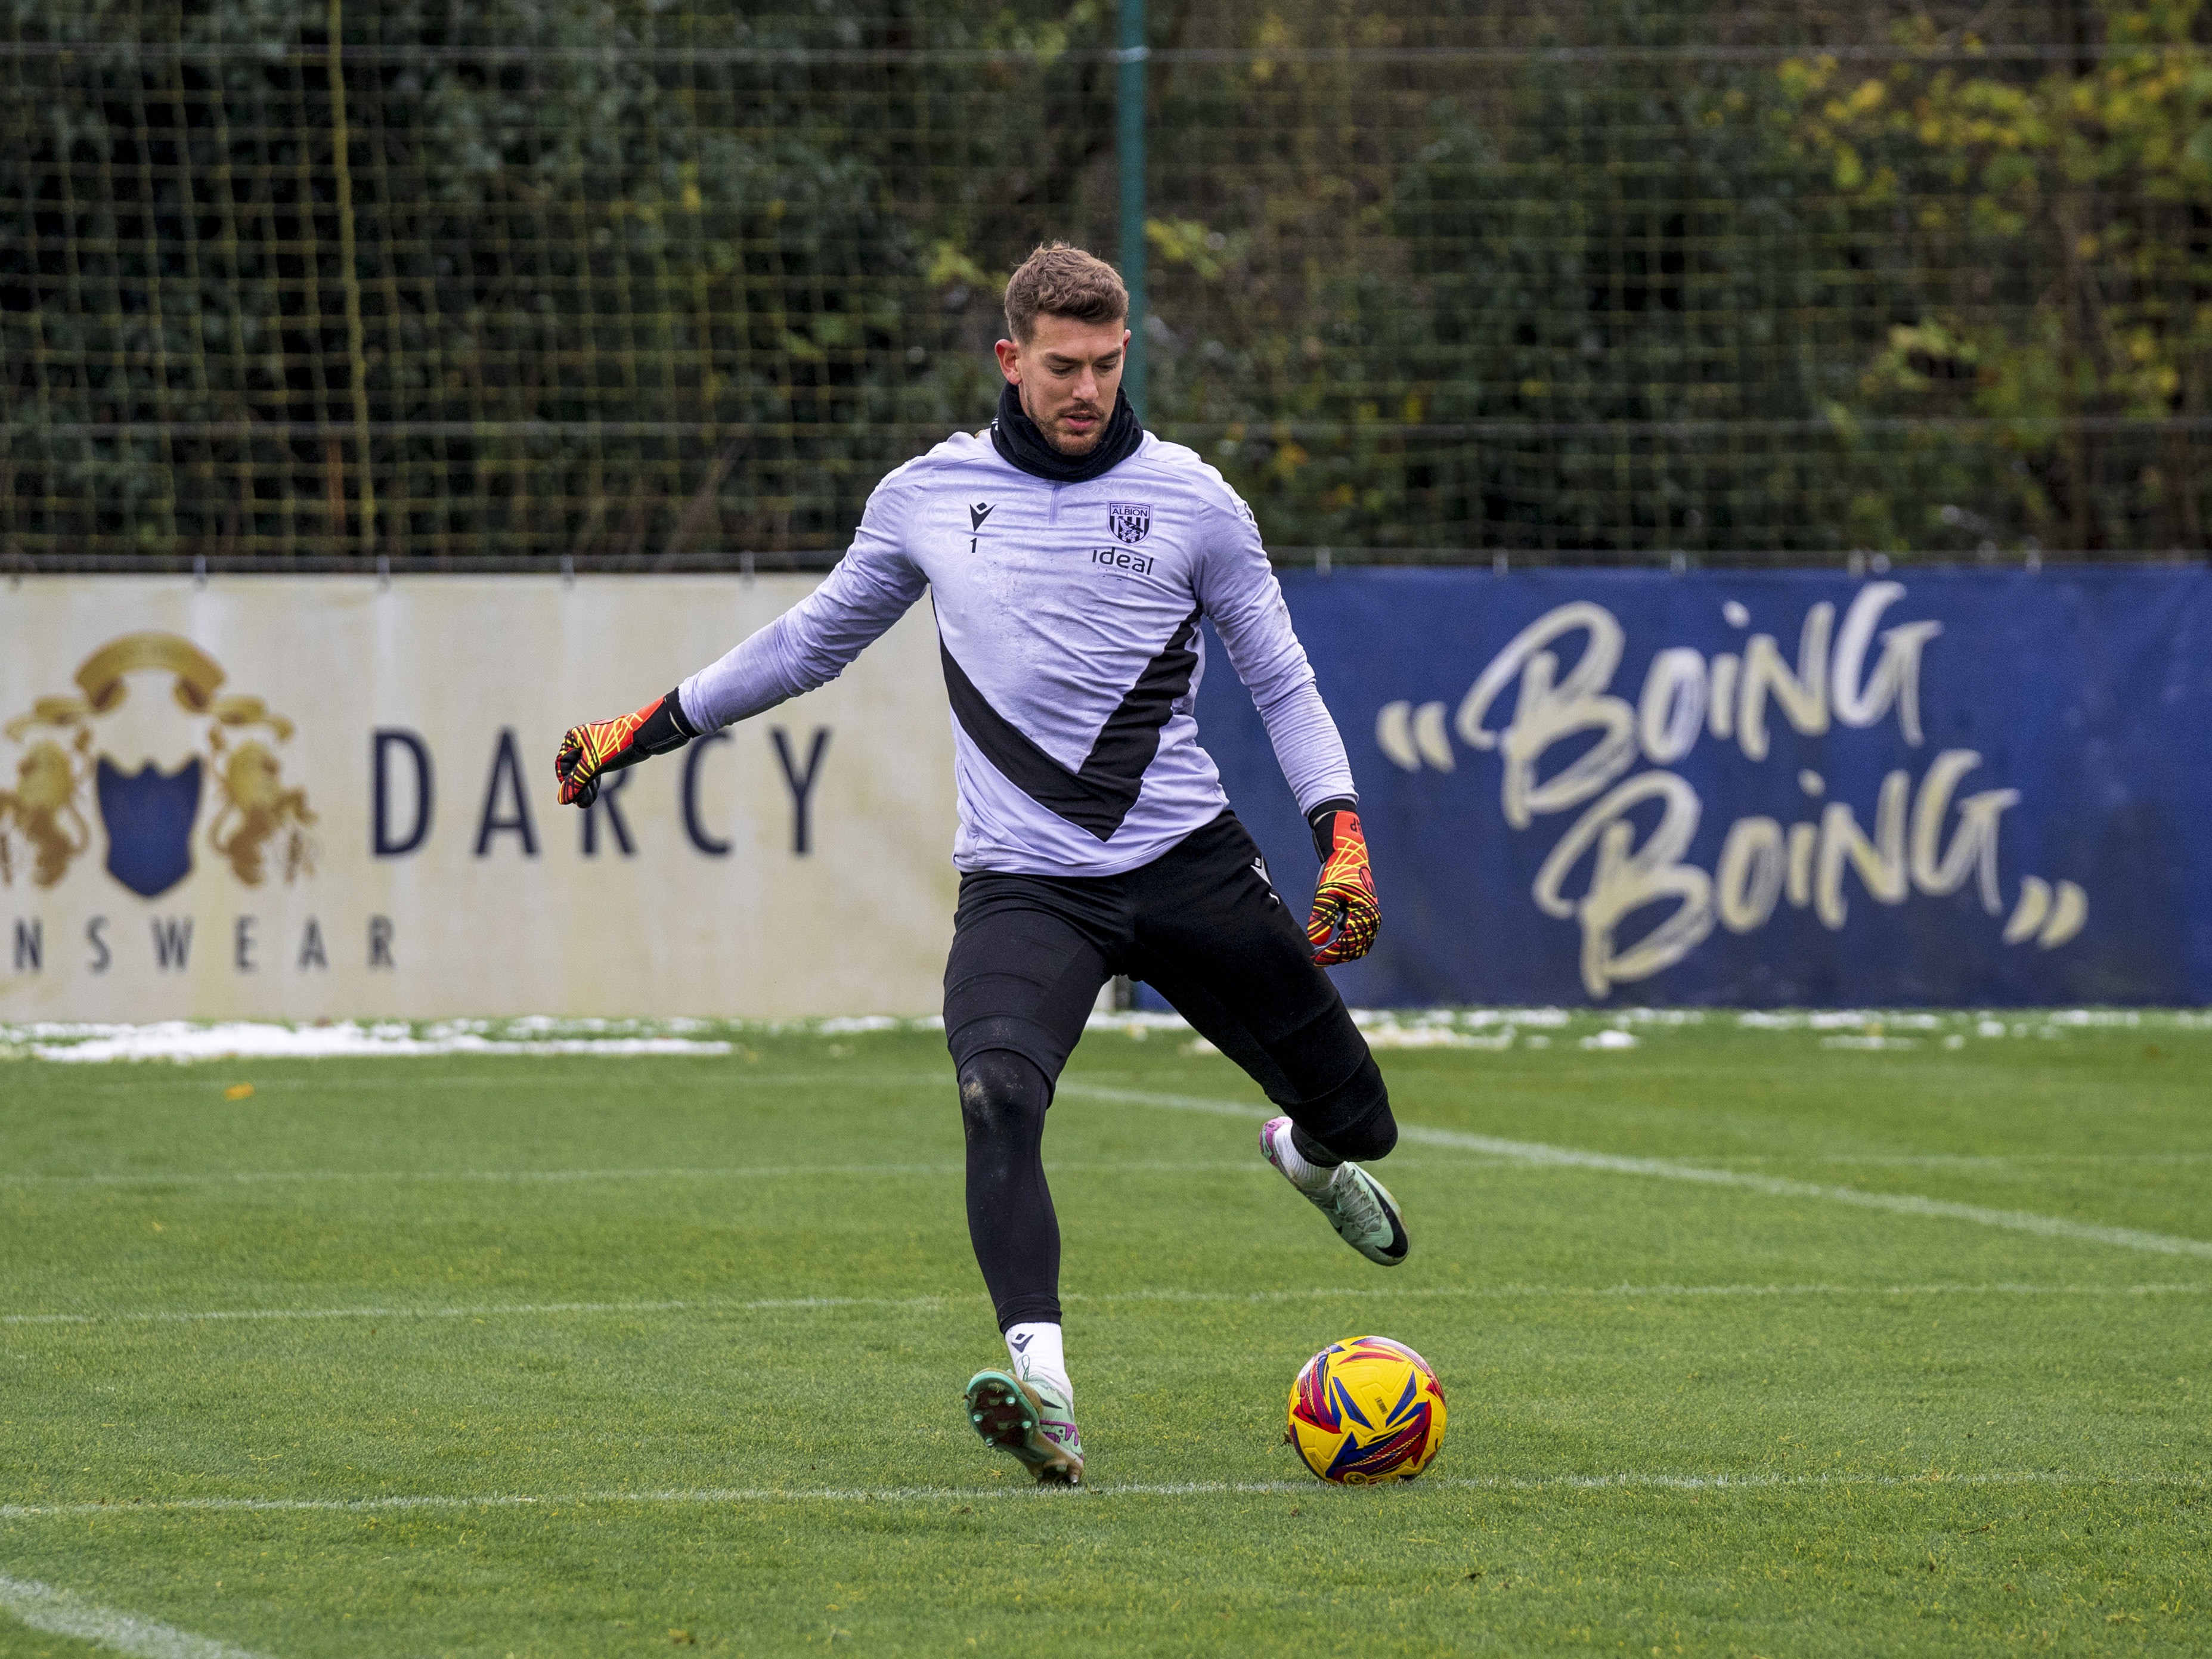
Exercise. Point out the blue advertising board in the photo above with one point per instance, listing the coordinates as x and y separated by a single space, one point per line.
1761 788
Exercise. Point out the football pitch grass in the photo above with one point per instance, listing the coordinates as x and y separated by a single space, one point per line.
1754 1344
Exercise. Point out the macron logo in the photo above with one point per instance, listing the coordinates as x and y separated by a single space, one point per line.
978 513
1020 1344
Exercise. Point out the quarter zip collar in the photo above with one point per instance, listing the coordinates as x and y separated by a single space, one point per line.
1016 439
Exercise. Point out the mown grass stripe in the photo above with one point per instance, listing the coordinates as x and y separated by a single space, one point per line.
1626 1481
58 1612
1538 1154
929 1303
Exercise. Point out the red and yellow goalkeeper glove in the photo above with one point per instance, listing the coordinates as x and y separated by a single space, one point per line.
1346 917
609 746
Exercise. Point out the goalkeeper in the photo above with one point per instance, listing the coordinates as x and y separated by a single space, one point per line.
1070 555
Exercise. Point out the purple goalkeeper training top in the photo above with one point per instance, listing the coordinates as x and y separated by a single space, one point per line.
1067 617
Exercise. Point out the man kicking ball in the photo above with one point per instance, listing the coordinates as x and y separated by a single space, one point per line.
1070 555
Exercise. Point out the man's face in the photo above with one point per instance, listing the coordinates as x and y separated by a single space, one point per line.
1066 373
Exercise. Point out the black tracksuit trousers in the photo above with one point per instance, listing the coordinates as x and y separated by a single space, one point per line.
1202 924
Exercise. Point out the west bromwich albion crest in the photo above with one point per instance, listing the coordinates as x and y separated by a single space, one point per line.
1130 520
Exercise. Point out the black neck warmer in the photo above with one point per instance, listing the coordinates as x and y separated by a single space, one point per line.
1017 437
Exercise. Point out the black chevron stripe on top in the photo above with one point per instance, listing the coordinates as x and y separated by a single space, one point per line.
1099 796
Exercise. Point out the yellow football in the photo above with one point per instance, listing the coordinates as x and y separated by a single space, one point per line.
1367 1409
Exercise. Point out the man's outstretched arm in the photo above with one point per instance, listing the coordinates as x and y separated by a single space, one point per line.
810 644
1245 603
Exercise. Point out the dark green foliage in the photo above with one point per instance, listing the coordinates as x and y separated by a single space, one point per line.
578 273
636 281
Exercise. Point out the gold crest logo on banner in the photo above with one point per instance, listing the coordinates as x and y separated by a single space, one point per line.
150 815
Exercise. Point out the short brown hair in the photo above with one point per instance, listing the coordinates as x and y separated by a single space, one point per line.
1064 282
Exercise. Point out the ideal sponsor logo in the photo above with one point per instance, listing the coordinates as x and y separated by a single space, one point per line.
1119 558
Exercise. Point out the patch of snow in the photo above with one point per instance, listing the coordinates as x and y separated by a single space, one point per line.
1423 1036
1130 1021
246 1040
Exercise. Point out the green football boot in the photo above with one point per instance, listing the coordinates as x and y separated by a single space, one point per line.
1031 1420
1357 1205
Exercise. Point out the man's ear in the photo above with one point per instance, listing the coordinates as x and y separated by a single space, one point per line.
1010 361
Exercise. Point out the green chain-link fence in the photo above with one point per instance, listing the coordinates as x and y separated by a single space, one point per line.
650 281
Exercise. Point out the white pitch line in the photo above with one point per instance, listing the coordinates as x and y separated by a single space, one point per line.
1535 1292
785 1171
491 1311
58 1612
494 1177
1538 1153
1970 1160
925 1304
735 1495
524 1177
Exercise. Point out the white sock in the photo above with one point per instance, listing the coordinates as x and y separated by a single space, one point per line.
1037 1352
1306 1177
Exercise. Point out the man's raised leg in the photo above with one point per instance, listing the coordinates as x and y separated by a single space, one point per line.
1215 940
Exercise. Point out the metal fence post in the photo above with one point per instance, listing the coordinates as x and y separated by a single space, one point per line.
350 274
1131 149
